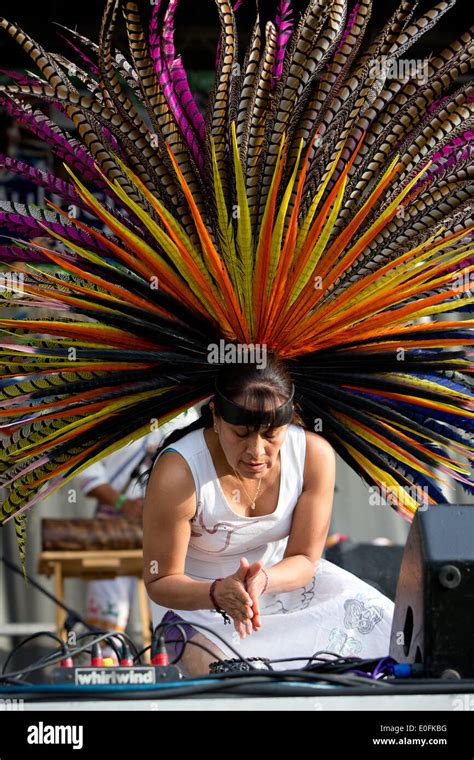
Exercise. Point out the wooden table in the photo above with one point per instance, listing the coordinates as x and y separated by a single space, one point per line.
95 565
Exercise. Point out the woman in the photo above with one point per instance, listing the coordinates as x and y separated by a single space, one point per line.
236 515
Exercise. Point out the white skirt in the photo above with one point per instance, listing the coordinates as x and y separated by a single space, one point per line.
335 612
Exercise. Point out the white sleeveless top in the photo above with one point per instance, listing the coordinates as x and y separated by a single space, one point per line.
335 611
219 535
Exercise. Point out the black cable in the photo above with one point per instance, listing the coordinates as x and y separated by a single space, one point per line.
139 654
194 644
30 638
184 642
111 643
223 682
337 657
38 666
45 660
15 681
57 657
73 652
340 666
252 685
209 630
177 641
327 665
156 634
53 657
127 638
119 634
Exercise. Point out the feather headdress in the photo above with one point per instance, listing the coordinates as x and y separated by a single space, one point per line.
320 208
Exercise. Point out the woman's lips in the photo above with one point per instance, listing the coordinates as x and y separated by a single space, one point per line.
256 466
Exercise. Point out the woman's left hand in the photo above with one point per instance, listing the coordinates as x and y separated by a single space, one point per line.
255 582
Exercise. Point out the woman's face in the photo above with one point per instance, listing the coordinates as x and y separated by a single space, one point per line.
243 447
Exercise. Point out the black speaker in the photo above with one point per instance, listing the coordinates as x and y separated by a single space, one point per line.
434 603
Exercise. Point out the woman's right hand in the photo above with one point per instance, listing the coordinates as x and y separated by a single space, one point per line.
232 597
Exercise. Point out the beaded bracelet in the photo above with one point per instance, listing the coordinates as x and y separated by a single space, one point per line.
218 609
120 501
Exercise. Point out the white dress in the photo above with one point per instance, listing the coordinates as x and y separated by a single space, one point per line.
336 611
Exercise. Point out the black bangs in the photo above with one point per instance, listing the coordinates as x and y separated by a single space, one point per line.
255 397
265 402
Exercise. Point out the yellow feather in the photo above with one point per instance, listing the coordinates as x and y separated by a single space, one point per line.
320 245
280 222
229 252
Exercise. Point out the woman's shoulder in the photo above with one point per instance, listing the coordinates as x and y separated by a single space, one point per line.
189 443
185 454
314 442
320 455
171 485
317 443
171 470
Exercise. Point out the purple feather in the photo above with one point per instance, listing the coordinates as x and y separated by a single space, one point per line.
114 143
70 151
61 106
45 179
284 28
93 69
11 253
180 82
437 103
28 221
459 149
19 78
178 73
66 191
37 123
172 99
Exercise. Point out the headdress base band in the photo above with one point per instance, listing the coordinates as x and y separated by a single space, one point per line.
235 414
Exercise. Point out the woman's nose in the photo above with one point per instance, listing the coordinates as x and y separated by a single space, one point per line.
256 447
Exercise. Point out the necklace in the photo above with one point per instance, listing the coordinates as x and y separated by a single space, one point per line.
252 501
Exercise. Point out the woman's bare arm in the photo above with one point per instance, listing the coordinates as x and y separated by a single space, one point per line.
311 519
169 506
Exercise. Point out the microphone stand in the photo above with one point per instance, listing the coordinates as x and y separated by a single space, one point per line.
73 616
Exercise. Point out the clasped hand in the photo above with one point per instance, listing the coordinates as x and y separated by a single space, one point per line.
239 595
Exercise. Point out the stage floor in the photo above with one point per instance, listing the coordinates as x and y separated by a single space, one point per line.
402 702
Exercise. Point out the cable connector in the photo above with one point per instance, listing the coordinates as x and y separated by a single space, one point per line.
126 658
159 654
96 656
67 661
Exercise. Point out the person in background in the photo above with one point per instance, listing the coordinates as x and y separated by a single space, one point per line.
113 482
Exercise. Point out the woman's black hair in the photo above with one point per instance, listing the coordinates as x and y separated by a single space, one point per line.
258 387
